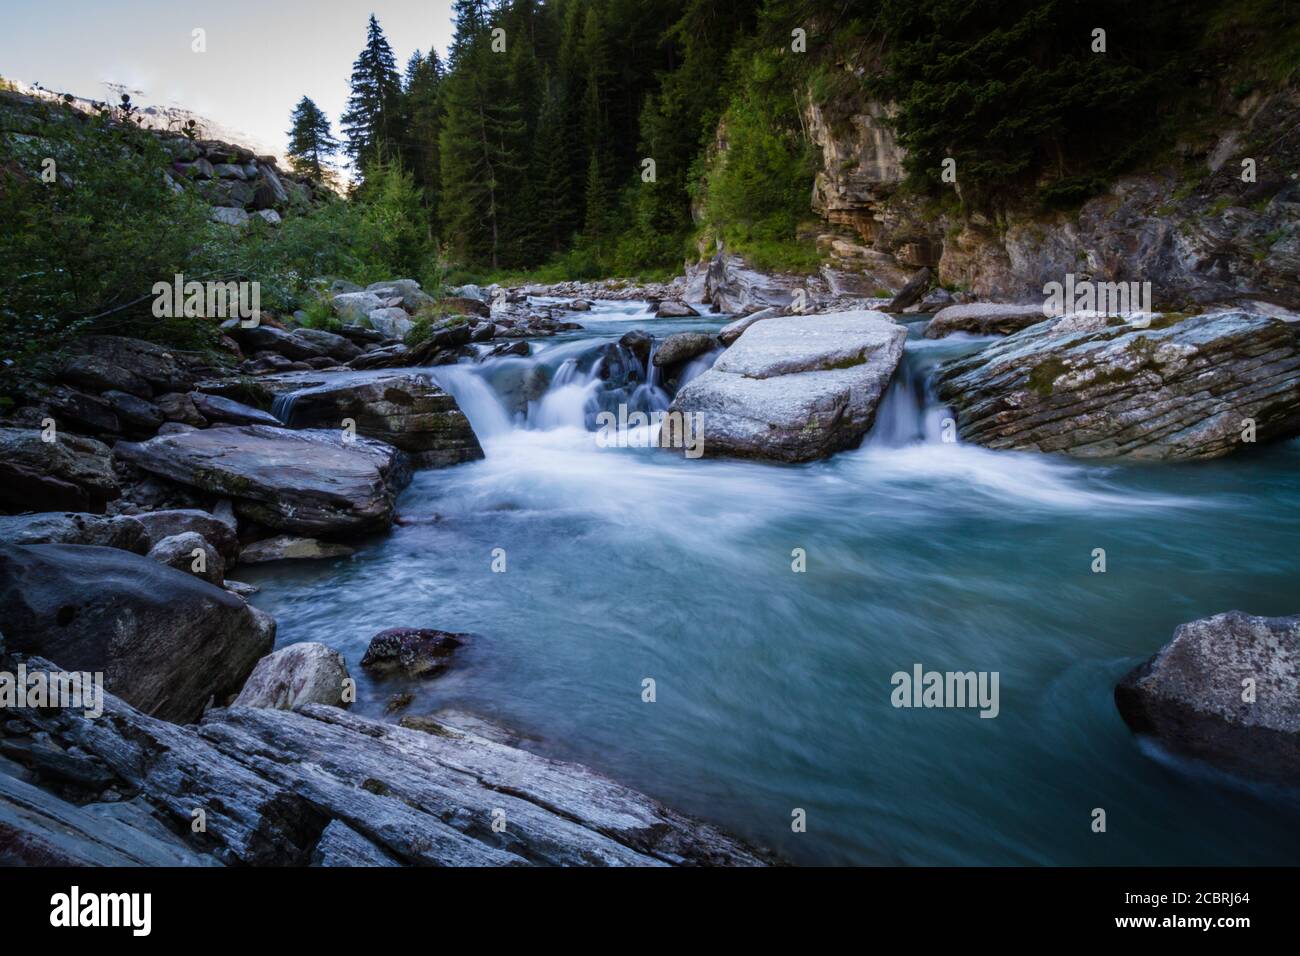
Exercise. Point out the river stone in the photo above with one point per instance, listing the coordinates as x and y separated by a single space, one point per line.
334 346
179 407
75 528
134 413
733 330
407 410
1189 695
285 547
312 482
355 306
796 388
682 347
217 409
1095 387
415 652
71 472
267 338
673 309
307 673
181 551
218 532
273 780
166 641
984 318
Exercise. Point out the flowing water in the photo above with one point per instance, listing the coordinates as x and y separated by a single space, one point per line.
773 687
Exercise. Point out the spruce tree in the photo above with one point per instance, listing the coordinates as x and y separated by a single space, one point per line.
371 123
311 141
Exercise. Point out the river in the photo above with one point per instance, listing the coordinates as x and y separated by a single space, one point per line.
773 687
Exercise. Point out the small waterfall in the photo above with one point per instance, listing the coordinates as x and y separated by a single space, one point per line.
282 406
910 413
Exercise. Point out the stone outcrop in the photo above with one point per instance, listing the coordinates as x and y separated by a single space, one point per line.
1091 386
796 388
1226 689
733 287
312 482
406 410
166 641
984 318
273 784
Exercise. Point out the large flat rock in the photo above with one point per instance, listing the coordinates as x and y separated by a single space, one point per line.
1226 689
796 388
984 318
1171 387
312 481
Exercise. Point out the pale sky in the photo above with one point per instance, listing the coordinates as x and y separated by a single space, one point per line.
261 57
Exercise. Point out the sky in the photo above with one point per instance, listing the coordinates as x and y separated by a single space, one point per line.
261 57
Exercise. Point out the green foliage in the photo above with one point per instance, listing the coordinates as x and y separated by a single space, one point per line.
373 118
311 142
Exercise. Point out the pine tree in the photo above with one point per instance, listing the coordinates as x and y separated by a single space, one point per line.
371 123
422 120
311 141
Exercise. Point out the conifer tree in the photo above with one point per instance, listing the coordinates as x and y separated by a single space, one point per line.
371 123
311 142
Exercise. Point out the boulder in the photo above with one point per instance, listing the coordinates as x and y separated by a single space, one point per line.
911 293
228 216
69 527
673 309
392 322
355 306
1226 690
734 330
98 374
334 346
136 415
267 338
217 532
285 547
71 472
733 287
217 409
682 347
309 482
386 357
299 674
408 290
190 552
796 388
143 362
414 652
1093 387
79 411
984 318
166 641
406 410
178 407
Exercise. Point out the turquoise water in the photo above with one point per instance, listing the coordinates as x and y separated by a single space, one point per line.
773 687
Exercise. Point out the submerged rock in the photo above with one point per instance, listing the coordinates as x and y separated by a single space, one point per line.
166 641
1091 386
415 652
1226 689
796 388
406 410
984 318
304 481
285 547
307 673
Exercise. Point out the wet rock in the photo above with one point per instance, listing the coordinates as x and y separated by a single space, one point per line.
1192 695
387 357
216 531
406 410
734 330
176 407
334 346
638 342
415 652
304 481
912 292
217 409
796 388
70 473
580 305
79 411
190 552
682 347
166 641
1170 388
984 318
672 309
307 673
75 528
286 547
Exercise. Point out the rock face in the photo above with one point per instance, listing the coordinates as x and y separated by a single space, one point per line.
796 388
73 528
415 652
984 318
166 641
71 472
406 410
1095 387
733 287
273 782
310 481
1189 696
299 674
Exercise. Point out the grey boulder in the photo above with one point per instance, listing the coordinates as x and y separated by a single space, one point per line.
307 673
67 527
190 552
984 318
